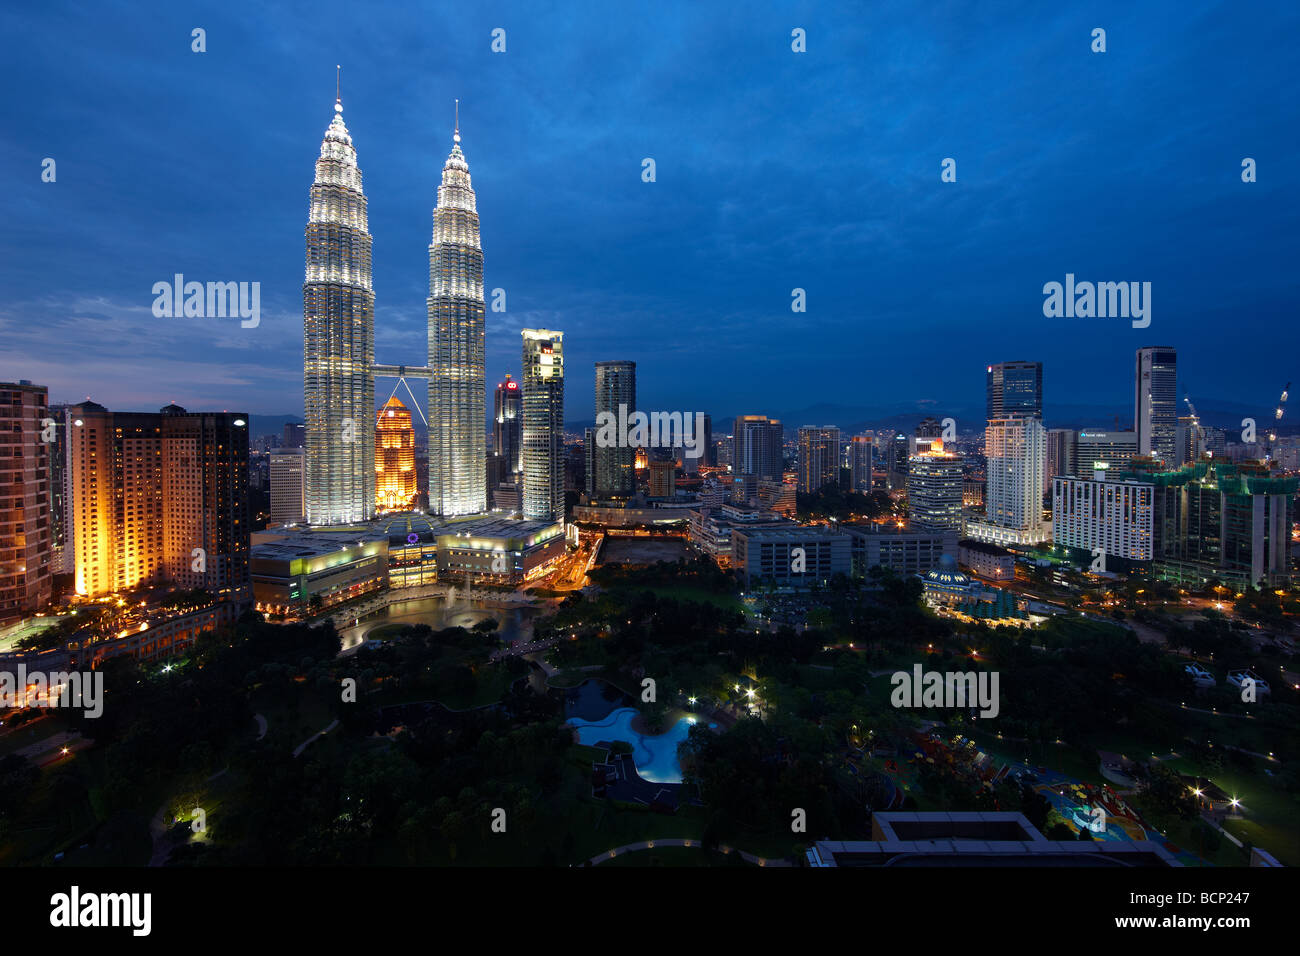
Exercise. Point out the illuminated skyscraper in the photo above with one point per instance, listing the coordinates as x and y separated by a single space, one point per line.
457 373
934 489
159 495
28 443
543 371
395 488
339 339
819 457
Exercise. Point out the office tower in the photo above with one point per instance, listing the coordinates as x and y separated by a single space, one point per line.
295 435
1014 388
757 450
159 496
710 449
60 494
615 475
457 373
287 475
27 439
395 488
338 339
934 490
205 502
1062 447
543 384
819 458
1111 448
507 425
1155 418
860 447
575 465
1015 451
663 476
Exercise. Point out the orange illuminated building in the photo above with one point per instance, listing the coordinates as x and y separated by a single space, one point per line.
395 488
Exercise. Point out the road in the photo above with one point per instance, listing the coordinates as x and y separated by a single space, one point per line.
651 844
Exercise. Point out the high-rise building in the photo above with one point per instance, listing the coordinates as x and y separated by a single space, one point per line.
205 501
339 339
1014 388
757 450
1111 448
819 457
1105 515
159 496
1155 407
662 478
615 475
543 432
286 475
395 488
457 369
860 448
27 440
708 455
1062 448
295 435
507 427
1015 451
934 490
60 494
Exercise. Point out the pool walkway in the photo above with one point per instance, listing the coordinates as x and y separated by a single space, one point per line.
652 844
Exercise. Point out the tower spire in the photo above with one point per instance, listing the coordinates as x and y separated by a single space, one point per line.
338 80
455 136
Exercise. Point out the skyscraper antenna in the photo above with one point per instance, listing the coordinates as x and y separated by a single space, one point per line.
338 80
456 135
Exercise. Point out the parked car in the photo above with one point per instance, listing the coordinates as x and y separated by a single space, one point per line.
1238 679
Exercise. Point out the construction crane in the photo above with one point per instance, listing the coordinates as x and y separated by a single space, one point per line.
1277 417
1196 420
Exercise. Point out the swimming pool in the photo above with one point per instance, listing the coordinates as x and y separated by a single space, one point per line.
655 757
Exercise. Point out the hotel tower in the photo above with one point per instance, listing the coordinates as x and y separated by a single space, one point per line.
339 339
457 372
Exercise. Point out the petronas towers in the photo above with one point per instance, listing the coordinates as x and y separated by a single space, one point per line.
457 374
339 343
338 310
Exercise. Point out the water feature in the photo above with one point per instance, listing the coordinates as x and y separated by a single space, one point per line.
655 757
513 623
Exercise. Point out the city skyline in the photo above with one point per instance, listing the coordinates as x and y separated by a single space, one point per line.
725 279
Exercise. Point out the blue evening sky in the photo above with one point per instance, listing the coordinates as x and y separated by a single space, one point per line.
775 170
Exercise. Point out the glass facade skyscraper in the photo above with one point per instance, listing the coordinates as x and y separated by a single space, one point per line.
507 427
457 372
543 371
615 474
1015 388
1155 405
338 339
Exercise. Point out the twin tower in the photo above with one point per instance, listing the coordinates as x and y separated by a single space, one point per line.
339 343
